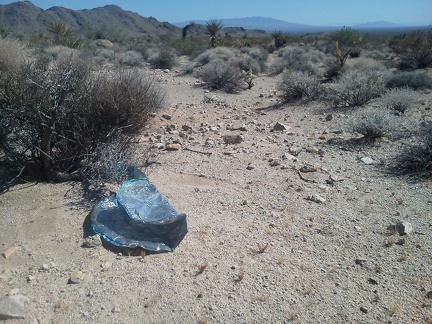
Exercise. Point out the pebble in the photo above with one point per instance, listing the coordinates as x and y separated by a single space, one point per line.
364 309
233 139
92 241
366 160
404 228
316 198
76 277
280 127
173 147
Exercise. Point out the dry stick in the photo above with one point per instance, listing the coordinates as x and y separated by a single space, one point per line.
196 151
303 178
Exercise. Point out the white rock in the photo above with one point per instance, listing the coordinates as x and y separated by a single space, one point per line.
404 228
366 160
11 309
316 198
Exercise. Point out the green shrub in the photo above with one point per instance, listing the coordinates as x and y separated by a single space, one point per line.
372 124
357 87
414 50
223 75
399 99
413 80
301 86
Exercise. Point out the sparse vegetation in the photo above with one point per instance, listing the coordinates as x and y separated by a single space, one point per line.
358 87
302 86
222 75
399 99
347 42
372 124
414 50
413 80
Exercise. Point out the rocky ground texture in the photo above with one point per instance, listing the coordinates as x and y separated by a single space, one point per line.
288 218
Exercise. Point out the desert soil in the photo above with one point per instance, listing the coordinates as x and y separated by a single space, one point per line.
291 224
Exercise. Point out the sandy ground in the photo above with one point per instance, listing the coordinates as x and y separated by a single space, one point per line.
274 253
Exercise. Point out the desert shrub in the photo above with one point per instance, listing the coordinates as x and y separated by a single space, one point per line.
361 63
12 54
290 57
302 86
376 54
218 53
418 157
260 55
223 75
163 58
246 63
399 99
357 87
54 114
130 58
414 50
413 80
347 42
372 124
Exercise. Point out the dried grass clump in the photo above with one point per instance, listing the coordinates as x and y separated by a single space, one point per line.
372 124
300 86
399 99
12 54
358 87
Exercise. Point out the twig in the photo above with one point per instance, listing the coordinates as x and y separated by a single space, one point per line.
196 151
303 178
19 174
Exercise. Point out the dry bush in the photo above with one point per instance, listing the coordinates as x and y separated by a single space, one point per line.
218 53
417 157
130 58
399 99
357 87
163 58
12 54
302 86
413 80
55 114
372 124
219 74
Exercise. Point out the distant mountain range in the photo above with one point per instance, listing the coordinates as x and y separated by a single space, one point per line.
24 18
269 25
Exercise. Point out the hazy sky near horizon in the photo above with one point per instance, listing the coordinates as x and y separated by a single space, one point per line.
310 12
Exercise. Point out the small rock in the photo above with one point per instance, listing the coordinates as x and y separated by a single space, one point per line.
364 309
240 127
295 150
250 166
289 157
280 127
229 152
173 147
316 198
361 261
275 162
366 160
335 178
313 150
429 294
233 139
92 241
404 228
329 117
166 116
308 168
116 309
76 277
11 309
372 281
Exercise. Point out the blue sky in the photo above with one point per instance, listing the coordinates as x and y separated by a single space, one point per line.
311 12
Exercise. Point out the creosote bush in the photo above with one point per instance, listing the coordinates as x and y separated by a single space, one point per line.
163 58
302 86
357 87
413 80
222 75
56 114
418 157
12 54
399 99
372 124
